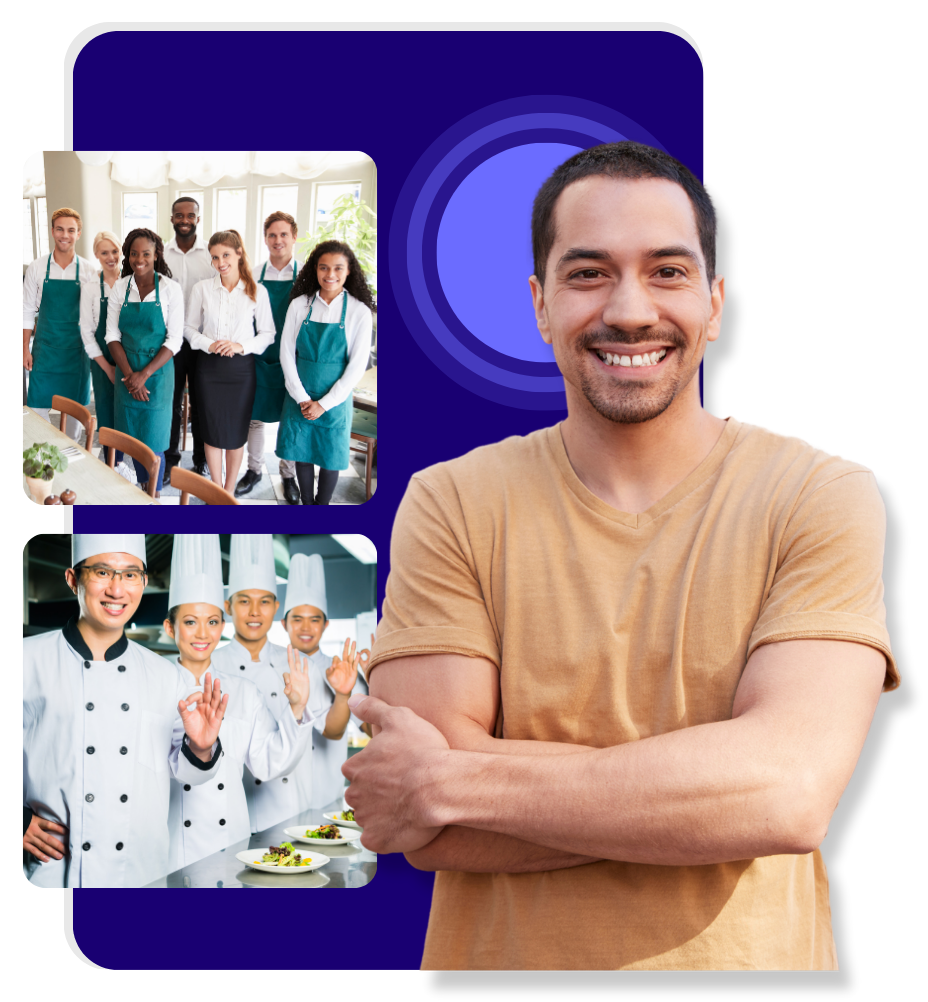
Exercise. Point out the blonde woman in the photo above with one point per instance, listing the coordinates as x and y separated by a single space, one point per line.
229 320
94 304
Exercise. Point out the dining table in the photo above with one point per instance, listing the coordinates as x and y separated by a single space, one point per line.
365 393
92 481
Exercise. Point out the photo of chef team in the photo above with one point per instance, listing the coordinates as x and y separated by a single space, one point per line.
167 290
185 709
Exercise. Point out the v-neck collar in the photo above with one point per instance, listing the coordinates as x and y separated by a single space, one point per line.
73 636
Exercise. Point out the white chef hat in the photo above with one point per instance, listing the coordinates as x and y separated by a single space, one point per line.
251 563
92 544
196 570
306 583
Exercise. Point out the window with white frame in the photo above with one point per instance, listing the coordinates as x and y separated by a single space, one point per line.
275 198
197 196
326 193
231 210
139 211
29 254
41 224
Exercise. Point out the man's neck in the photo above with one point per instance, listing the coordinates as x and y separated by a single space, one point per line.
632 466
254 647
279 263
185 243
63 259
98 639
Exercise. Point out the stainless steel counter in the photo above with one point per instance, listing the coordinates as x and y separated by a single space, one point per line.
350 865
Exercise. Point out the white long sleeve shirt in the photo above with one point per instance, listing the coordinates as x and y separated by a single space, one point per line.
359 324
35 277
102 746
215 314
270 803
286 274
172 306
206 818
90 314
190 268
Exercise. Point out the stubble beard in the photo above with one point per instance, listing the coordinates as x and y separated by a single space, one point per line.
627 401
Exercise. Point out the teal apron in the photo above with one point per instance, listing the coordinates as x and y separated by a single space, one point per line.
103 389
143 332
271 391
321 358
59 362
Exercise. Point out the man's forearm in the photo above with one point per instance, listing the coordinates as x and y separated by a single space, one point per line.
688 797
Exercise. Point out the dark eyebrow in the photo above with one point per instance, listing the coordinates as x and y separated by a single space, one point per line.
679 250
576 253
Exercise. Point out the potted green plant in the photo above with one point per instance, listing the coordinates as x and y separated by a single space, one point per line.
40 462
348 222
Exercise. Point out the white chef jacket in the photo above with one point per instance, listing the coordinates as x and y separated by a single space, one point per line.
215 314
172 306
206 818
34 279
359 325
90 313
190 268
101 743
269 803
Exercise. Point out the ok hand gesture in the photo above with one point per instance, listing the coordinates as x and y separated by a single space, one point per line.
202 714
296 682
344 671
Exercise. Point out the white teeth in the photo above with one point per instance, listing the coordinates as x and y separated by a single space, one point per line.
654 357
624 360
648 358
636 360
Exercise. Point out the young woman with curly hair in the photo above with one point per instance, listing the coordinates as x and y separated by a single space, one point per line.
229 321
324 351
144 330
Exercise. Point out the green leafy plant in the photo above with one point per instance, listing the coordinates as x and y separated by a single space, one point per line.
42 460
348 222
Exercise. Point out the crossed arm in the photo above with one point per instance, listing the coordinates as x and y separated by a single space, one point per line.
436 785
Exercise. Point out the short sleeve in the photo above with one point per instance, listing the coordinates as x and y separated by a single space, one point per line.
434 603
828 583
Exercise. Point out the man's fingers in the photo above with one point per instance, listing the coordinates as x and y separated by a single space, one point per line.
52 826
369 708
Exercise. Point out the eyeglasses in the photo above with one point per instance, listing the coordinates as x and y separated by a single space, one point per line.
130 576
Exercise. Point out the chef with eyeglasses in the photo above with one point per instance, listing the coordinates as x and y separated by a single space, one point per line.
207 818
107 727
253 605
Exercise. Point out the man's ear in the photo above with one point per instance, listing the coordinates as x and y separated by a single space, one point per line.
71 579
538 301
228 605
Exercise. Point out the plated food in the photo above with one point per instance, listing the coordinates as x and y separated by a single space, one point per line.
323 835
281 859
345 817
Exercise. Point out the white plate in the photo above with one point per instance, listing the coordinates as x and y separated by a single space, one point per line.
252 857
299 835
341 822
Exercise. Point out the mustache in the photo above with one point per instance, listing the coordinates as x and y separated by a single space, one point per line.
616 335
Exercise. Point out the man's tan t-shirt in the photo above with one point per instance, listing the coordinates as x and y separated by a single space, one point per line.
610 627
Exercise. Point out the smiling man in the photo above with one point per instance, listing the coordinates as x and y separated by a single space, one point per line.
626 664
106 724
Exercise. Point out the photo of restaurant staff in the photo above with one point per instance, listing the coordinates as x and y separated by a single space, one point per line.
185 709
199 328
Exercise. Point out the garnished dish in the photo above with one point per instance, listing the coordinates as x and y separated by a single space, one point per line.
323 831
345 817
282 855
281 859
328 835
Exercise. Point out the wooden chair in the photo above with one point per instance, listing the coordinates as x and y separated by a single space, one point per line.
192 483
113 440
76 410
185 414
364 439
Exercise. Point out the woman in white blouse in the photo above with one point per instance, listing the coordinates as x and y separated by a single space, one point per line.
94 297
324 350
229 320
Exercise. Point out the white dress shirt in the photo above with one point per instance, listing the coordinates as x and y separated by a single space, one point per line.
90 314
101 747
172 306
190 268
359 324
286 274
35 277
215 314
269 803
204 819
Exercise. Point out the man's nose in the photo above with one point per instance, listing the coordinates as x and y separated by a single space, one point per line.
630 306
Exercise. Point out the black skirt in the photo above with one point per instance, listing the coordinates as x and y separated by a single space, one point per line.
225 392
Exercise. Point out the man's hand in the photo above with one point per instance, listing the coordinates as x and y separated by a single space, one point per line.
296 682
387 777
343 673
202 714
27 360
40 843
135 384
110 370
312 409
364 657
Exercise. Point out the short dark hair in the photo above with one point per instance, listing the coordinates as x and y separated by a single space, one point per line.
184 198
620 160
281 217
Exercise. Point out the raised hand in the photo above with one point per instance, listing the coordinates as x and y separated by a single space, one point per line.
364 657
344 671
296 687
202 714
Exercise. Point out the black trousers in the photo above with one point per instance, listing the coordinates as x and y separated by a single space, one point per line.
305 472
185 371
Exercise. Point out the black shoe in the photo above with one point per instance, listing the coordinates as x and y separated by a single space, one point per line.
167 475
202 469
247 483
291 490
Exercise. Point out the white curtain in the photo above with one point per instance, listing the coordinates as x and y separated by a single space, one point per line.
34 176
